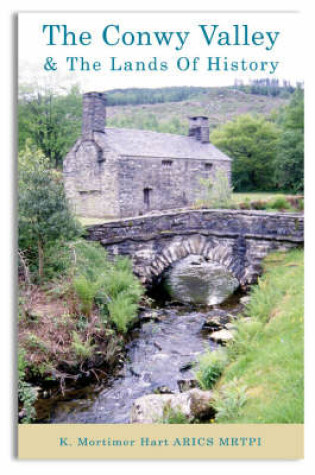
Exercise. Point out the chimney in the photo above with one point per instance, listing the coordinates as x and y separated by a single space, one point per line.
199 128
94 113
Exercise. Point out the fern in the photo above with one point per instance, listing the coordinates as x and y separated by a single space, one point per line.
82 350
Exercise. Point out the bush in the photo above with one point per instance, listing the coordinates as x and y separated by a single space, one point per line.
58 259
86 291
122 311
172 416
275 202
211 365
27 395
217 192
111 286
300 205
246 204
90 259
259 205
121 281
45 220
279 203
229 401
83 350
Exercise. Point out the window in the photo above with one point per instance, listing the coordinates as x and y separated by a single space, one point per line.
100 156
89 192
208 166
167 163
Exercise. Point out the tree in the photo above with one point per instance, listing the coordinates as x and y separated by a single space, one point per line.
251 141
290 153
52 122
44 215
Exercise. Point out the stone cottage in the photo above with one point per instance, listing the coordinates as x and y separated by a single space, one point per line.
113 172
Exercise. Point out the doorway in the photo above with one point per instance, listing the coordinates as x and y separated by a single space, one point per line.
147 192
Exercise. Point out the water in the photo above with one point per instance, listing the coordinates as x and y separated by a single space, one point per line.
159 358
155 357
196 280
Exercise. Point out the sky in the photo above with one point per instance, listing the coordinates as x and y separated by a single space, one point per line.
34 49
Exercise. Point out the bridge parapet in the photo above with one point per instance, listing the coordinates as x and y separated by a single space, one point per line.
237 239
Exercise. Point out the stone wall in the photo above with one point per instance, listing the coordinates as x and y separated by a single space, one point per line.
170 183
90 180
100 183
239 240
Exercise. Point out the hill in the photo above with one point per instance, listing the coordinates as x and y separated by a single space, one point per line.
220 104
53 121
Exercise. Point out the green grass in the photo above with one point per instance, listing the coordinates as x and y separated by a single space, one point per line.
172 416
86 221
267 355
268 201
241 197
210 367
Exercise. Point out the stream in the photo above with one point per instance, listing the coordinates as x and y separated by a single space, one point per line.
162 351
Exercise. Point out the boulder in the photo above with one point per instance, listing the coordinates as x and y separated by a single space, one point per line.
200 404
186 384
150 409
163 390
149 315
216 320
222 336
212 323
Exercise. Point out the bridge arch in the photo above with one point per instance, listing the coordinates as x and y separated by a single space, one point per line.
238 240
211 250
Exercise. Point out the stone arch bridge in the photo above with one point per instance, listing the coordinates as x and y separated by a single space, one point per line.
238 240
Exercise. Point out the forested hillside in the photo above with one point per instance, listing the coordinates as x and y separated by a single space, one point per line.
219 104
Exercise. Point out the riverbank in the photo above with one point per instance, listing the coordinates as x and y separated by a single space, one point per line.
263 383
73 327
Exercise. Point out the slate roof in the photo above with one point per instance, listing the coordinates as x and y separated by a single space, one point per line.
144 143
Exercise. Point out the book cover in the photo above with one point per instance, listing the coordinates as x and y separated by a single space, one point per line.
160 235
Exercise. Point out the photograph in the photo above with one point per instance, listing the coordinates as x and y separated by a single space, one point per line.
160 210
